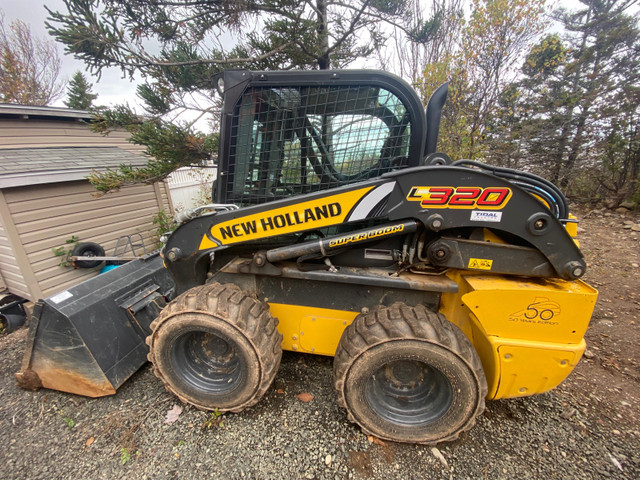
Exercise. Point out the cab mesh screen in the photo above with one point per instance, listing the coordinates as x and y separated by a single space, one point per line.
289 141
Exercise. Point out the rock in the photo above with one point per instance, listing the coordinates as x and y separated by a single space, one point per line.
622 210
588 354
635 228
305 397
628 204
627 227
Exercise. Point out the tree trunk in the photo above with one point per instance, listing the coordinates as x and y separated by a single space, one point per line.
587 102
556 169
576 143
324 61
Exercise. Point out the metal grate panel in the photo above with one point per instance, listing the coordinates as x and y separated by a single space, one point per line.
295 140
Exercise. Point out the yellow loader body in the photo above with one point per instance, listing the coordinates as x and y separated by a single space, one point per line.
529 333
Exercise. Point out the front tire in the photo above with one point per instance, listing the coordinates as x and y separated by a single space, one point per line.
216 347
406 374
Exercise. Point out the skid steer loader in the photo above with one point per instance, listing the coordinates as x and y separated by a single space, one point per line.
338 230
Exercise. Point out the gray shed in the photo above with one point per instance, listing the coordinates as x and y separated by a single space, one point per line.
45 156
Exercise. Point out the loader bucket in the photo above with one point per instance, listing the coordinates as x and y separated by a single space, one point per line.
90 339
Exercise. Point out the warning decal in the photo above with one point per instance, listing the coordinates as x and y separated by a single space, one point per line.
480 263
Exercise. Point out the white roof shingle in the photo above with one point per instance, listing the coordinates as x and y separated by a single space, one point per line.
30 166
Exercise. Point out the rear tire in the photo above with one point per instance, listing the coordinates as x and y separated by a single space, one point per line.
216 347
406 374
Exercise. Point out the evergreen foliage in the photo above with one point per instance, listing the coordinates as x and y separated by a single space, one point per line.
178 46
559 98
577 108
79 95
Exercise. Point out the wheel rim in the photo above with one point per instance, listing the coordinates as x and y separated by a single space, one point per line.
208 361
409 392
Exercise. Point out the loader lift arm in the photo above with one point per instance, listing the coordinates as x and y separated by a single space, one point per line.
442 201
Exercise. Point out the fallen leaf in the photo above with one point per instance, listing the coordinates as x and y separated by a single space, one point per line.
280 391
304 397
568 413
173 414
376 440
615 461
90 441
439 456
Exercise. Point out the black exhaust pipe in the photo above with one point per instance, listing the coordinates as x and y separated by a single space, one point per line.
434 115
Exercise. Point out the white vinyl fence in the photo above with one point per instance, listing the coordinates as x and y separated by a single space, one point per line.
191 187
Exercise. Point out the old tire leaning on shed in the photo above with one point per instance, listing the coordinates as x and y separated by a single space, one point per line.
406 374
216 347
87 249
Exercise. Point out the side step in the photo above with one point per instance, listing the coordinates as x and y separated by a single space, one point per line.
90 339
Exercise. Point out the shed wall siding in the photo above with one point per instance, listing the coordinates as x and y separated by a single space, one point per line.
15 133
165 189
45 216
163 195
10 270
9 267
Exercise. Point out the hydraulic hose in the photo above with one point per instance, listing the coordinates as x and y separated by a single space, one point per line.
528 181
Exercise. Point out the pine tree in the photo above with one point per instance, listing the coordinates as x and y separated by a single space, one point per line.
79 94
178 46
580 97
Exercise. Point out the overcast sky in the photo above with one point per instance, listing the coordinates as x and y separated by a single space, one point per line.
112 88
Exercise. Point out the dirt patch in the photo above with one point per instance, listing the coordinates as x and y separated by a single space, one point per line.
586 428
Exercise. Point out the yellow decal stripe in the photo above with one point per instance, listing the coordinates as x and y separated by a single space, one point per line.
318 213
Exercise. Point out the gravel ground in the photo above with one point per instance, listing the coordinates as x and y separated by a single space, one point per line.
587 428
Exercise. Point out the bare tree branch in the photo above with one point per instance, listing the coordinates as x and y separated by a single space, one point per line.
29 67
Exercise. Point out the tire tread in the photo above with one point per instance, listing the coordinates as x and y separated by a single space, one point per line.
400 321
238 308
